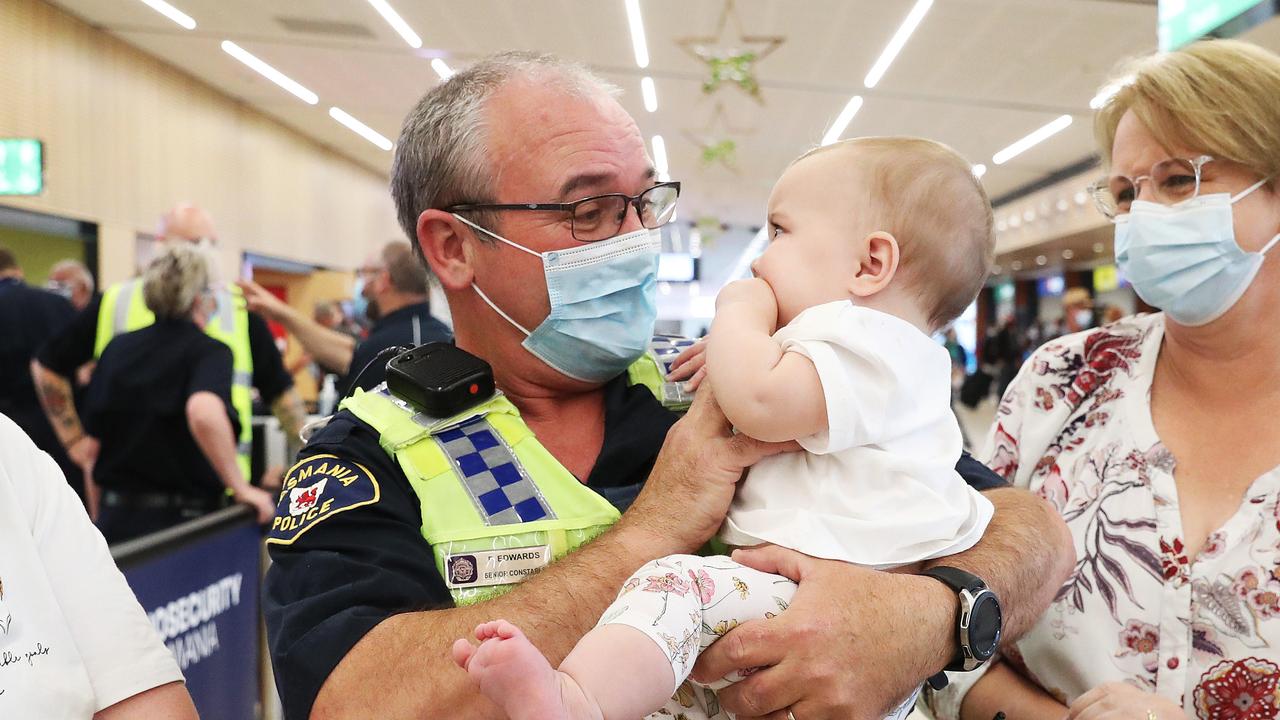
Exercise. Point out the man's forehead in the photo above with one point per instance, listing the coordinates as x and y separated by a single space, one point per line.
545 139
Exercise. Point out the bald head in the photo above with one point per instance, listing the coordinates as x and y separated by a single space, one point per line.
186 222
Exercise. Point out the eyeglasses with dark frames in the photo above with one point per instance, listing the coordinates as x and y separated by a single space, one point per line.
601 217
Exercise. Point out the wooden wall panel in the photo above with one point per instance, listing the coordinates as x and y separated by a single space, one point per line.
127 136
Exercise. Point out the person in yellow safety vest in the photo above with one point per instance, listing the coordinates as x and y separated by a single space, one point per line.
257 361
526 188
160 407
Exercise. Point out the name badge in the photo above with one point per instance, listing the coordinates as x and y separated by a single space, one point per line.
482 568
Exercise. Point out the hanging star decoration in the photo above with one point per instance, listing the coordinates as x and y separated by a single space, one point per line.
716 141
733 62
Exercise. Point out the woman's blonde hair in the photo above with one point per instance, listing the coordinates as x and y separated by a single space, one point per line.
1219 97
173 282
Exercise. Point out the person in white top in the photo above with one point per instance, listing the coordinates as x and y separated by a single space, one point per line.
74 642
876 243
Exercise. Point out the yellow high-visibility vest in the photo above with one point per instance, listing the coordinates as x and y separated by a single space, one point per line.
496 506
123 310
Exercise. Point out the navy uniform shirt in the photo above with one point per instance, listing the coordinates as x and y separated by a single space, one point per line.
73 347
411 325
362 558
136 407
28 317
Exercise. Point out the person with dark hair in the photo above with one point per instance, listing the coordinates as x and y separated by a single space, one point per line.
391 291
28 317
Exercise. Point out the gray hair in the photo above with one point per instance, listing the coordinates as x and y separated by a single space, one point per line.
442 154
173 282
77 269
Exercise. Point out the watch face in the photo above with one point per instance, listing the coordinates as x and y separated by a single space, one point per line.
984 626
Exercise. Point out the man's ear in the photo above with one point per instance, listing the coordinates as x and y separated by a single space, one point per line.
444 242
877 266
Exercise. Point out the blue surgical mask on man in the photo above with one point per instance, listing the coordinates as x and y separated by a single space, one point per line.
604 304
1184 258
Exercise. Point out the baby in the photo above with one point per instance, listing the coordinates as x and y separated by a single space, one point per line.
875 244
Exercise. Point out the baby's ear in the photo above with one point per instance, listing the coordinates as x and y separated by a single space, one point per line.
877 266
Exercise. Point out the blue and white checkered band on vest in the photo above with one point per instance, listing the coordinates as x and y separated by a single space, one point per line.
666 347
498 484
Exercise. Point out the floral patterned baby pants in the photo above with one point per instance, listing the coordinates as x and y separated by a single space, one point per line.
684 603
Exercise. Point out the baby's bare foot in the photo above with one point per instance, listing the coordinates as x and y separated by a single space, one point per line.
515 676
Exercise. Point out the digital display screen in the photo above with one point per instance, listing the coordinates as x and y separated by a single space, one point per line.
21 166
1051 286
1185 21
1105 278
677 267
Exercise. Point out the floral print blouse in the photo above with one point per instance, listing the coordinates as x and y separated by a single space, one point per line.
1075 427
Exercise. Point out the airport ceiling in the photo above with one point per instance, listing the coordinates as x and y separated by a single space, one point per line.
976 74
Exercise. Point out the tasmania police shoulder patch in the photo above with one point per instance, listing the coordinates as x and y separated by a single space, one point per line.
317 488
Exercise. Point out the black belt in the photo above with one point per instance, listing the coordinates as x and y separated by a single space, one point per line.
160 501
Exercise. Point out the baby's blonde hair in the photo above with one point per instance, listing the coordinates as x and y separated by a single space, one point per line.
925 195
1218 97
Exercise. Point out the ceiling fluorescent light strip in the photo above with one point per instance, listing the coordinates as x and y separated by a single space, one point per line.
360 128
397 23
897 42
637 33
842 120
650 94
172 13
1109 91
269 72
660 157
1032 140
442 68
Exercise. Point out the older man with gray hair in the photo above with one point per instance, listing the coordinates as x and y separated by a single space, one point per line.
72 280
526 188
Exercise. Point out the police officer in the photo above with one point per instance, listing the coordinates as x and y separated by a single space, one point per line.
257 361
161 411
527 189
28 316
391 291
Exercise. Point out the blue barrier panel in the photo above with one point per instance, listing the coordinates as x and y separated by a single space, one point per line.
198 583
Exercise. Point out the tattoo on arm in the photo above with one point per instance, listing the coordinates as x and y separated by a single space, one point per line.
54 392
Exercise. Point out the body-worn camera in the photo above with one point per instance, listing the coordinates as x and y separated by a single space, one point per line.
440 379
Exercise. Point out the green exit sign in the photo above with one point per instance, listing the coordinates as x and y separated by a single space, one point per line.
21 166
1185 21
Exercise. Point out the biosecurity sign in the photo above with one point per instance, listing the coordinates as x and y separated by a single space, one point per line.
201 595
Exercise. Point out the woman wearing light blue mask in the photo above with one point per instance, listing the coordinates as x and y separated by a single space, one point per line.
1157 436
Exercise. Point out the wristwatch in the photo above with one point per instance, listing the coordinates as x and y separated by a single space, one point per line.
978 624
